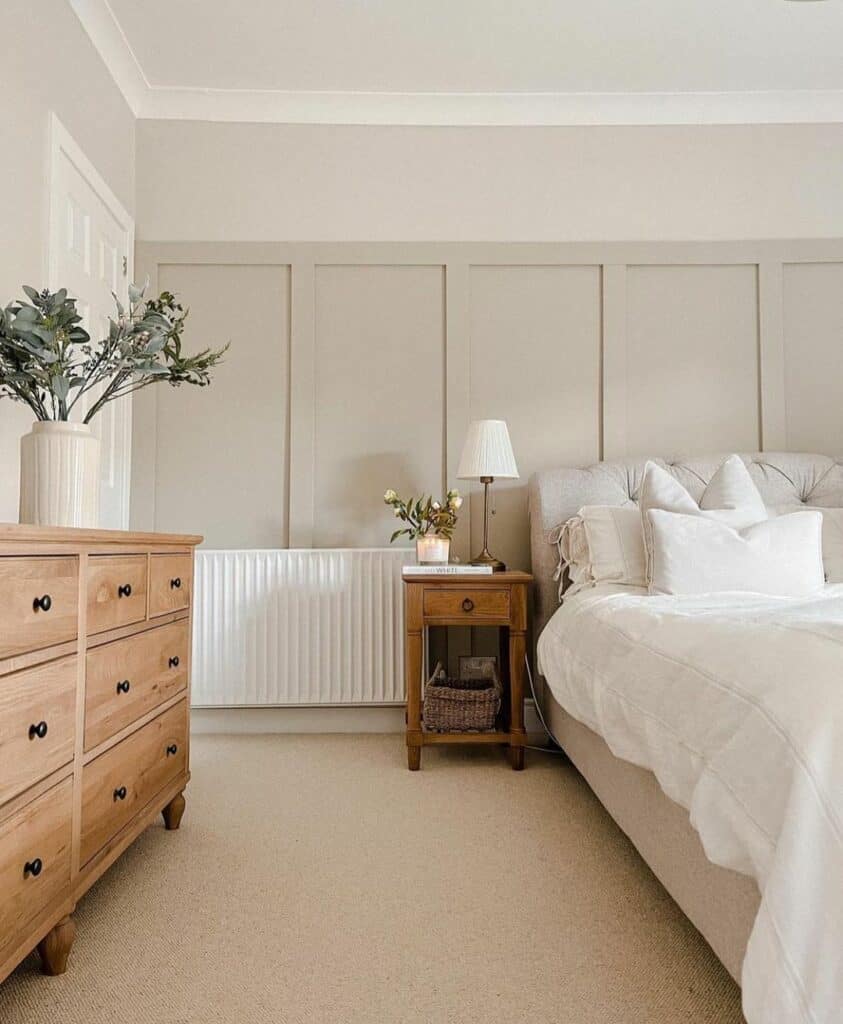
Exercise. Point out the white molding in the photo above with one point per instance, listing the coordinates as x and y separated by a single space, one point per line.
110 41
446 109
493 109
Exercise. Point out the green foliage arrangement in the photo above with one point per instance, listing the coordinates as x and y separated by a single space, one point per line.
48 360
424 515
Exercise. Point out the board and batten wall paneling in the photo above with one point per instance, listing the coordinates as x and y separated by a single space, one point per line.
812 296
379 396
221 452
535 362
357 366
692 359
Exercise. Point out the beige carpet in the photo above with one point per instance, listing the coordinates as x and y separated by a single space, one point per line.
315 879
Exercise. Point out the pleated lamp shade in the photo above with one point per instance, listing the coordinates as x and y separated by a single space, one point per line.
487 452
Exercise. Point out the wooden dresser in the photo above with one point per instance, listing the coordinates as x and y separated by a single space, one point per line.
95 632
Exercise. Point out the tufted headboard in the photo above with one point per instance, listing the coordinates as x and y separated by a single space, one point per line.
785 480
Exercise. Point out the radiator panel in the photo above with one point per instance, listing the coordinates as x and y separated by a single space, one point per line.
299 627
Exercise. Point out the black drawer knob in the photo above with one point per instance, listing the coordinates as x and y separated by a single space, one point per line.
32 867
39 730
42 604
120 794
468 605
174 661
125 590
176 583
172 750
124 686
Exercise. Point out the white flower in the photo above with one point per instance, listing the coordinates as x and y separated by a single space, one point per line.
456 502
436 506
397 513
389 496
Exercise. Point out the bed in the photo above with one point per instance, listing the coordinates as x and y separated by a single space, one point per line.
721 901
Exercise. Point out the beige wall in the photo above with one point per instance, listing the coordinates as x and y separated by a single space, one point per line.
375 356
48 64
226 182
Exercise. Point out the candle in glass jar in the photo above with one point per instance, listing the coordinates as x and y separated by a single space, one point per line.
432 550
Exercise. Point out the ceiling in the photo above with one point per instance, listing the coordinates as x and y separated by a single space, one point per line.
475 61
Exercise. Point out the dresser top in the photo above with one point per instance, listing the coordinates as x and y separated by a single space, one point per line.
24 533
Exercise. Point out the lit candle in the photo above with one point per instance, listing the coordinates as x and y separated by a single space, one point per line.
432 550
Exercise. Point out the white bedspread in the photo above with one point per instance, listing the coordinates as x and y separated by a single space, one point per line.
735 702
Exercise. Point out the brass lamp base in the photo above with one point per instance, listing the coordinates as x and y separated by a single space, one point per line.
484 558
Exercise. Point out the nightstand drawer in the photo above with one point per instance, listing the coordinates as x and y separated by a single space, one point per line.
466 604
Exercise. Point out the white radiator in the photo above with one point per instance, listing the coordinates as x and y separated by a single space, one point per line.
299 627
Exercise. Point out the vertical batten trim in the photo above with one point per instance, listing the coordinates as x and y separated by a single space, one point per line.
302 403
457 388
613 433
771 358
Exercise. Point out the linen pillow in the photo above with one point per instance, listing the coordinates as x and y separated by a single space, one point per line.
603 544
730 498
695 555
832 537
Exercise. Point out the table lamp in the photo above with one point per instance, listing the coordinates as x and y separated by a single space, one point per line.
487 454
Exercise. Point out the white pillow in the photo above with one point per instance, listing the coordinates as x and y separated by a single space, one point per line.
832 537
603 544
696 555
730 498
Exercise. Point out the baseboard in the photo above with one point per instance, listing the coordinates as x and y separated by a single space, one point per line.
315 720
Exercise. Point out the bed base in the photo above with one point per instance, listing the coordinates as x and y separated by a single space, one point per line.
720 903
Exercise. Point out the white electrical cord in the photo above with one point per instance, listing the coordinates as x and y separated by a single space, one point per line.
544 750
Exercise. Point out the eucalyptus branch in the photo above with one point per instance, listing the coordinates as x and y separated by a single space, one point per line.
48 360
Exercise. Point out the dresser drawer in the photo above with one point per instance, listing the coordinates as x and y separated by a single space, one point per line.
130 677
34 860
466 604
39 602
170 580
116 591
37 724
121 782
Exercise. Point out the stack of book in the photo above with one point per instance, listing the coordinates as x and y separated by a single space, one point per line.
447 570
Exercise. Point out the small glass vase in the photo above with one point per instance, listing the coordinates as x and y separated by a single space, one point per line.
432 549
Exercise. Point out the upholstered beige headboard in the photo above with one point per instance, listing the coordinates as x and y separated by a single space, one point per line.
784 480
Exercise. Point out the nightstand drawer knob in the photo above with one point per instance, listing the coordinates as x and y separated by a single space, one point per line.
39 730
120 794
124 686
468 605
125 590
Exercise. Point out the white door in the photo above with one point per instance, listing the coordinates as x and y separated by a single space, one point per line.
90 254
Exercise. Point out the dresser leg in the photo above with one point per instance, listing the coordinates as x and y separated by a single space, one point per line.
173 812
54 948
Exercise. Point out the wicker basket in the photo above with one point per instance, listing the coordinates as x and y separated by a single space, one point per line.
461 705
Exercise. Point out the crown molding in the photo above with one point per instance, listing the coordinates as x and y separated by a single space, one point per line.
493 109
441 109
111 43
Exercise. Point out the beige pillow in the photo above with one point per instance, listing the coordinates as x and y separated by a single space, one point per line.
603 544
731 498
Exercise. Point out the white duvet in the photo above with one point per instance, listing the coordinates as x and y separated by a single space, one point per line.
735 702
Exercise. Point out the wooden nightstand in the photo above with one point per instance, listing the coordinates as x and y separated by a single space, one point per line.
499 599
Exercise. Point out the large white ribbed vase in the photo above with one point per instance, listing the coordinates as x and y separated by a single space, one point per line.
60 475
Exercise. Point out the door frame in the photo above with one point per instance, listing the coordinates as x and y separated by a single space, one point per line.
62 145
